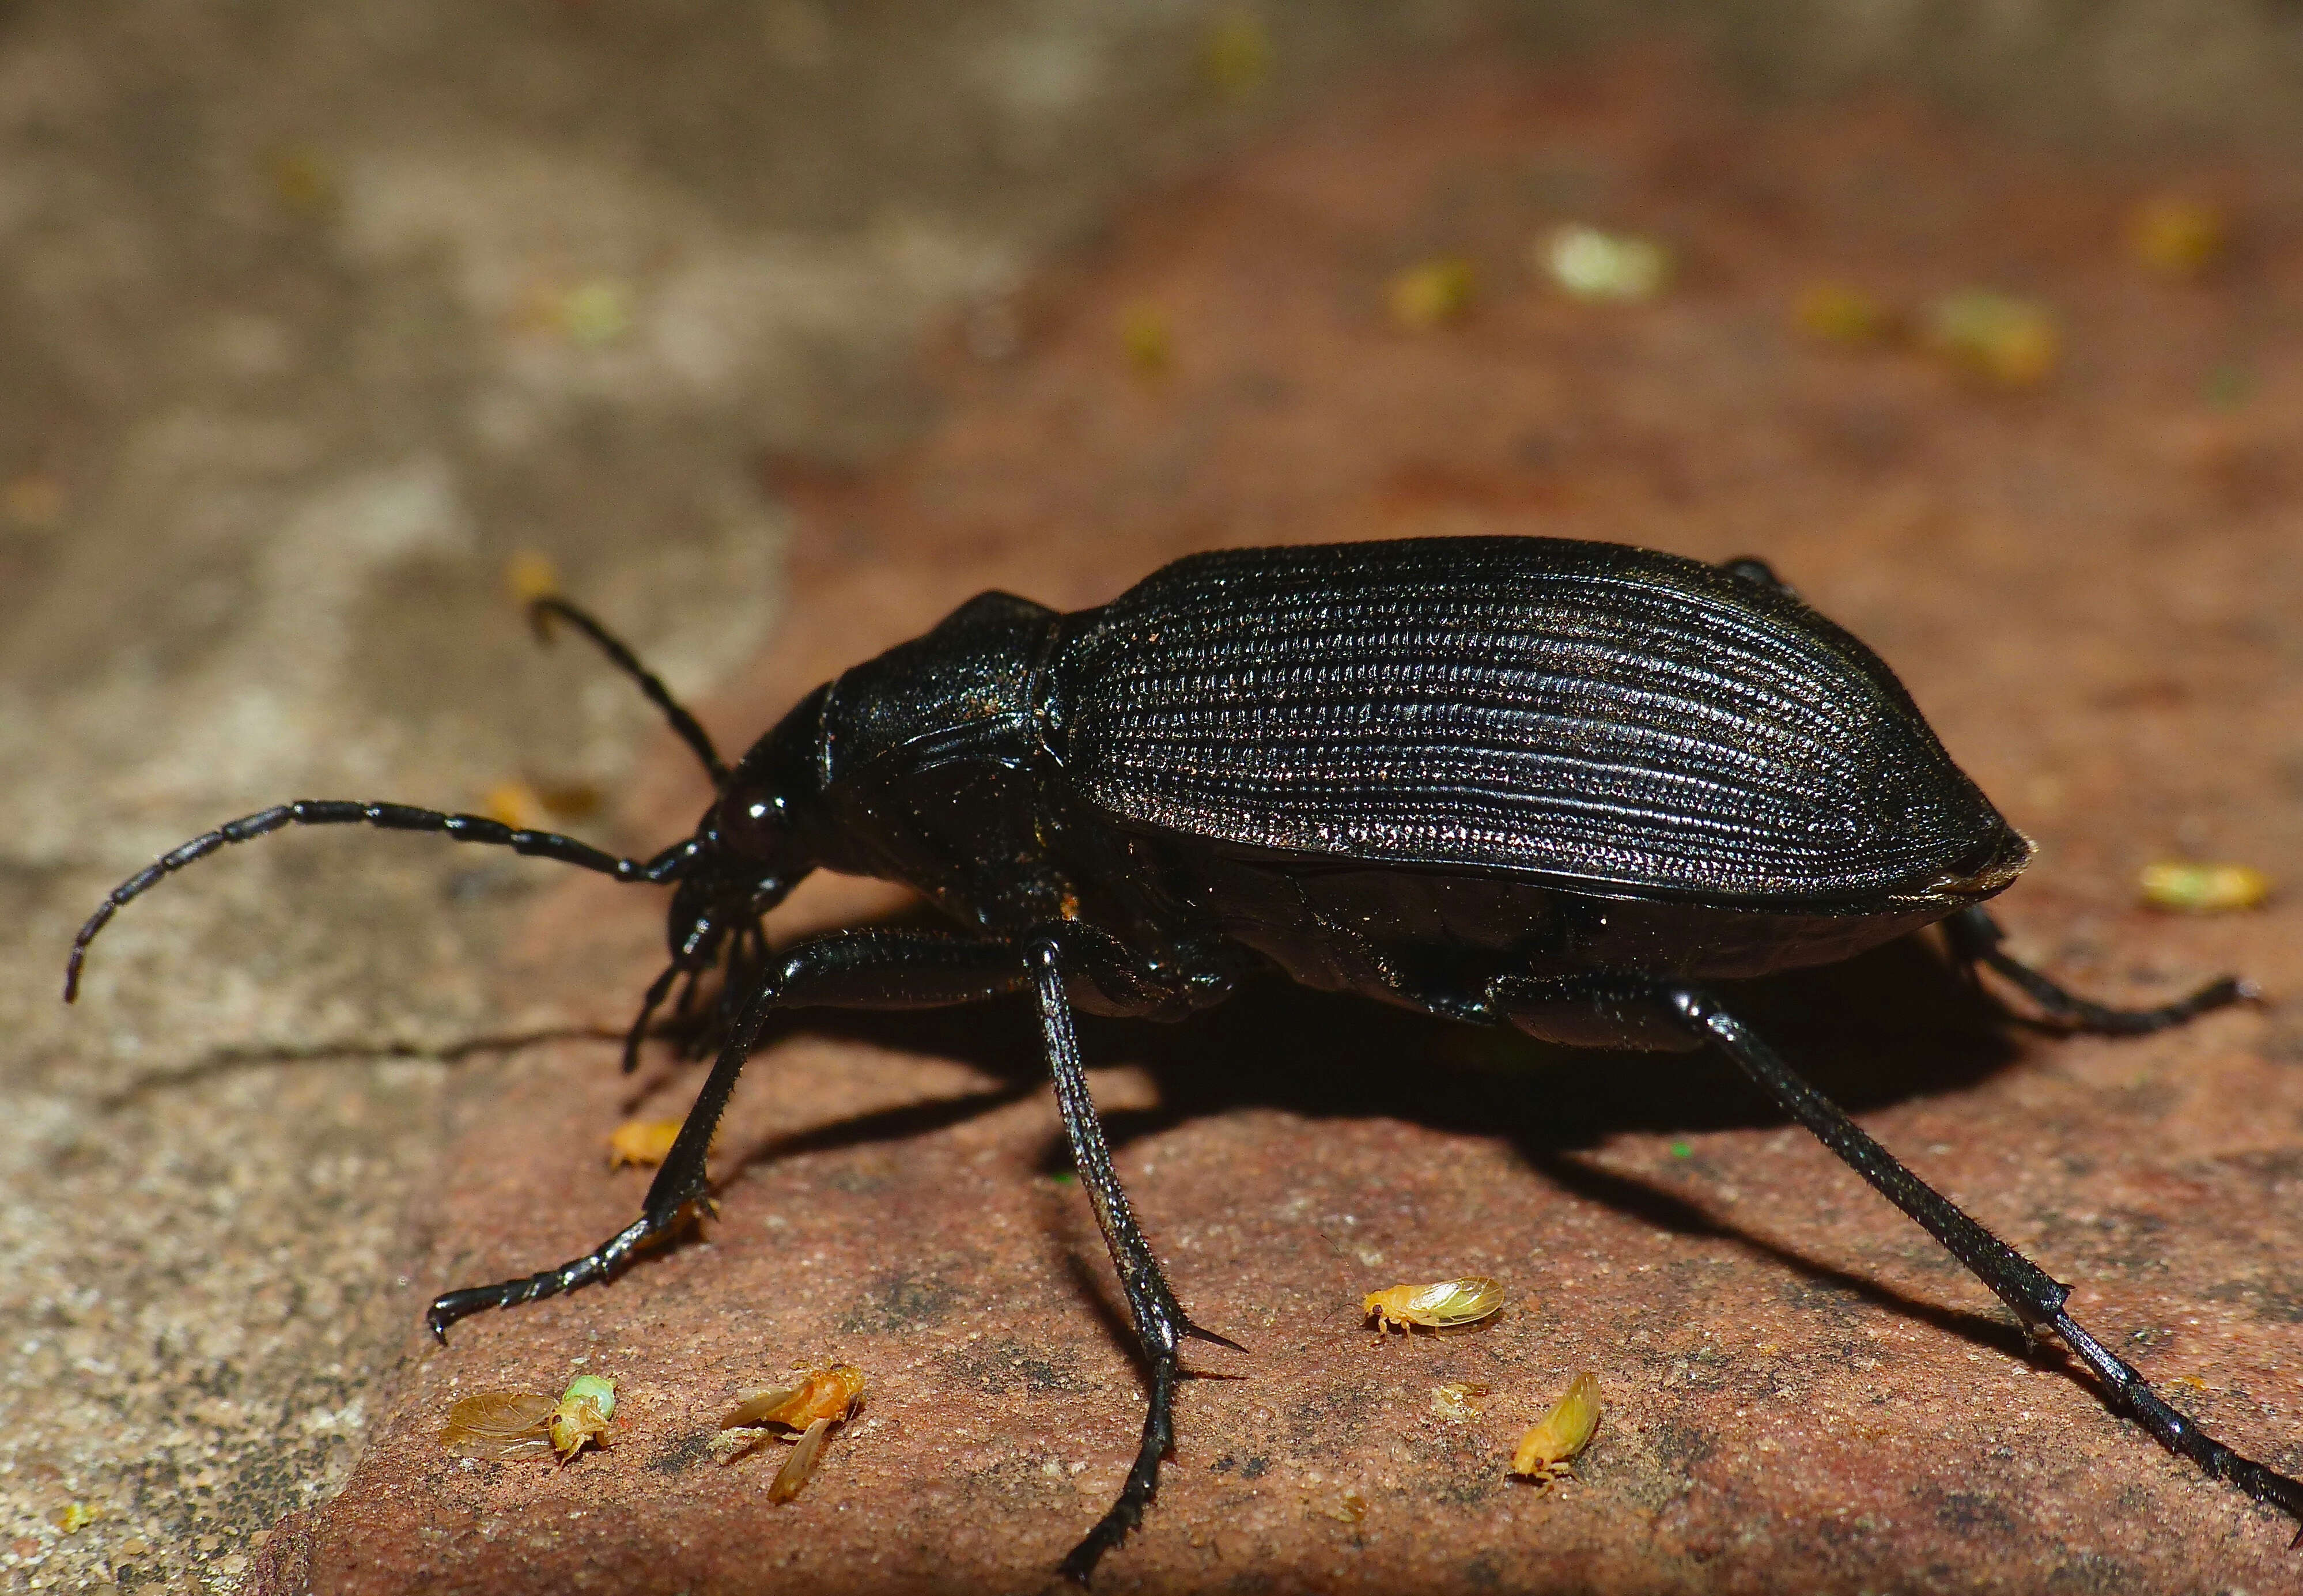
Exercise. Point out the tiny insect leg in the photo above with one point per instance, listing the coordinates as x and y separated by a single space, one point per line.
2034 1298
1976 938
1161 1323
856 969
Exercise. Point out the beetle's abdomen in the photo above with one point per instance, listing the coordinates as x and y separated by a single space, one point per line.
1623 719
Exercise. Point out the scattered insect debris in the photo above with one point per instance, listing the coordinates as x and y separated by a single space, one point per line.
2177 236
1147 337
1841 313
822 1399
2188 889
499 1425
1443 1305
1459 1399
1546 1452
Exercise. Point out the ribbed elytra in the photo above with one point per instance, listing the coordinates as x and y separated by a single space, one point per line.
1623 719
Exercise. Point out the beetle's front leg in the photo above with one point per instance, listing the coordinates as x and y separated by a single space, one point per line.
1536 1004
1161 1323
1976 938
856 969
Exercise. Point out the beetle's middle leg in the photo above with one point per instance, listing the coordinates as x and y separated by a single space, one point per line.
1540 1006
1976 938
1161 1323
854 969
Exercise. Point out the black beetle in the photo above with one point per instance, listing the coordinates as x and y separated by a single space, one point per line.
1520 782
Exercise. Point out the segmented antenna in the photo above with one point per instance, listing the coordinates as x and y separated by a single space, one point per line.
540 614
664 866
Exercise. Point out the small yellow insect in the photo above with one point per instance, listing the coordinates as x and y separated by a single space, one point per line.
2177 236
1837 313
1441 1306
503 1424
2190 889
1604 267
2009 342
643 1143
1438 290
822 1398
1545 1451
531 575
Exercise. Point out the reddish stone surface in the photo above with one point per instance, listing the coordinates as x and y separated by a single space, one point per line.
2092 587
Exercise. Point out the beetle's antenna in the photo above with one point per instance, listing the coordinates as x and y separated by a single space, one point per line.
667 866
541 612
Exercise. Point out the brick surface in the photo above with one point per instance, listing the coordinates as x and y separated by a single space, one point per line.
2091 587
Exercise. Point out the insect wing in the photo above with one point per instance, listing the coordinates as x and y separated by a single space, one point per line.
1455 1302
764 1407
491 1424
801 1463
831 1393
1440 1306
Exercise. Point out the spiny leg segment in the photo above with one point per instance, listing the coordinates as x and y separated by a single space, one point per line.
856 969
1161 1323
2036 1299
892 969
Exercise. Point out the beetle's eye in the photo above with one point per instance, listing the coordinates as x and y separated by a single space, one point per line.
752 826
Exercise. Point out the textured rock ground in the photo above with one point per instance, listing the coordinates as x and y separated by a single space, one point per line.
310 316
2092 587
316 316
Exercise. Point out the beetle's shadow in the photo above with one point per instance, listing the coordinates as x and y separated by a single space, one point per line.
1895 1024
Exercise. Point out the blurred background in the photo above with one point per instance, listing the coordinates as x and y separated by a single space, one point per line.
770 329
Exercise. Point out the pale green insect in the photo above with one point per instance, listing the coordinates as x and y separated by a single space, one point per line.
502 1425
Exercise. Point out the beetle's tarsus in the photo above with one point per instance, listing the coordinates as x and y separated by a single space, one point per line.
1142 1485
1977 938
598 1264
2128 1392
1159 1323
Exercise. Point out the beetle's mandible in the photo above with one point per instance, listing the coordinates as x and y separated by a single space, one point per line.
1552 785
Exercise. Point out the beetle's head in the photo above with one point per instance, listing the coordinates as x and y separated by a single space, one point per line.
750 848
747 854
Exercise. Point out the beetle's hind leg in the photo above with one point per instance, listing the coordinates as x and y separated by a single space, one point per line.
1977 938
2038 1300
